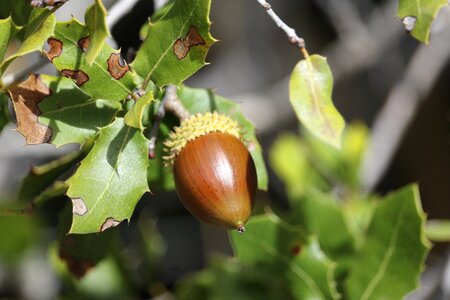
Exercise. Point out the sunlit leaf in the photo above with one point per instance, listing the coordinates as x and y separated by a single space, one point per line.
110 180
310 91
95 18
418 15
133 117
284 251
392 257
176 45
39 28
109 77
53 109
201 100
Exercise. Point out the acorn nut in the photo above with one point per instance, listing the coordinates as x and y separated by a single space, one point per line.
215 176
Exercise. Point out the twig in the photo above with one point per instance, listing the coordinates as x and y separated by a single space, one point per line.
171 103
294 39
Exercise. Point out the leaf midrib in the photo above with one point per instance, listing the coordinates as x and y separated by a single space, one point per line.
386 258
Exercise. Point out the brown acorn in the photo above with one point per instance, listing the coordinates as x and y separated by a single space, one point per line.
215 176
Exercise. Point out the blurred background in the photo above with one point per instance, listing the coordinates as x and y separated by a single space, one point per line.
383 77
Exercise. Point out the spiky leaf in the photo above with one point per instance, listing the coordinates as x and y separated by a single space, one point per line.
392 257
133 117
176 45
7 31
110 180
109 77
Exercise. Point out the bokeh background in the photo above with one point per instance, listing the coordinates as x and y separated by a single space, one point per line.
383 78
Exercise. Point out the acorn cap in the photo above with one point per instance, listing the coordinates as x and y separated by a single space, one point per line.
199 125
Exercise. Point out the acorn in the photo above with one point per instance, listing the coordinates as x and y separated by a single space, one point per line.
215 176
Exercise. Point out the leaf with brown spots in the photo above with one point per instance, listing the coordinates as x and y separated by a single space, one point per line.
53 109
26 97
176 45
115 172
106 78
55 48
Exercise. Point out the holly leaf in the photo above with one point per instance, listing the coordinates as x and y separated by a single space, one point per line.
176 45
282 249
418 16
7 31
95 18
39 28
18 10
310 89
133 117
392 257
201 100
110 180
17 233
4 111
54 109
109 77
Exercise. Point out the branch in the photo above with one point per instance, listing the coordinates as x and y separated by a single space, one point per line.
47 3
293 38
171 103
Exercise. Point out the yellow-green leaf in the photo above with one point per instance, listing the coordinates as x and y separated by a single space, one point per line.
95 18
133 117
176 45
310 91
7 31
418 15
110 180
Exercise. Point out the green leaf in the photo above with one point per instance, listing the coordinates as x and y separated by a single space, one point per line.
95 18
110 180
391 259
54 109
39 28
4 111
310 89
418 16
133 117
107 78
39 178
201 100
72 115
283 251
438 230
7 31
176 45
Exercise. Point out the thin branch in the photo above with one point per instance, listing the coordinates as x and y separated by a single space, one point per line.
294 39
170 103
